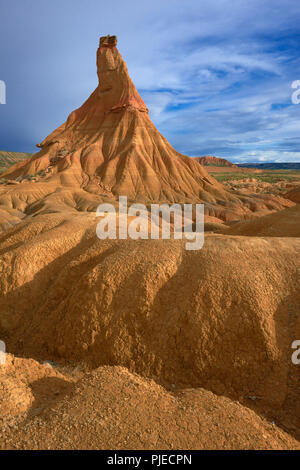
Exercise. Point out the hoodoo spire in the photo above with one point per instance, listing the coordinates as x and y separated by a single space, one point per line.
110 145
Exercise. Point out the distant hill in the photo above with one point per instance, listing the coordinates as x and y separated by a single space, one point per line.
209 160
272 166
8 159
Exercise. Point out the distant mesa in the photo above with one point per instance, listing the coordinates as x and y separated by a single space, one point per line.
209 160
272 165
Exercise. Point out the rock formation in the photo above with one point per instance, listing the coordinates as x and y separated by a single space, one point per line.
222 318
111 142
110 147
8 159
143 416
193 325
209 160
294 195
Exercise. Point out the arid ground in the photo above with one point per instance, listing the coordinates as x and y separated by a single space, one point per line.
142 344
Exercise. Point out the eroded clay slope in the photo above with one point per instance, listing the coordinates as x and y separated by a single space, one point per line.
112 408
110 147
217 318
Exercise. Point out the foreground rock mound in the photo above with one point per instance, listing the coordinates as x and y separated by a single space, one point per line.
222 318
8 159
284 223
26 385
218 318
114 409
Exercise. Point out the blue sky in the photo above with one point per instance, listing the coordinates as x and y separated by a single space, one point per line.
215 74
